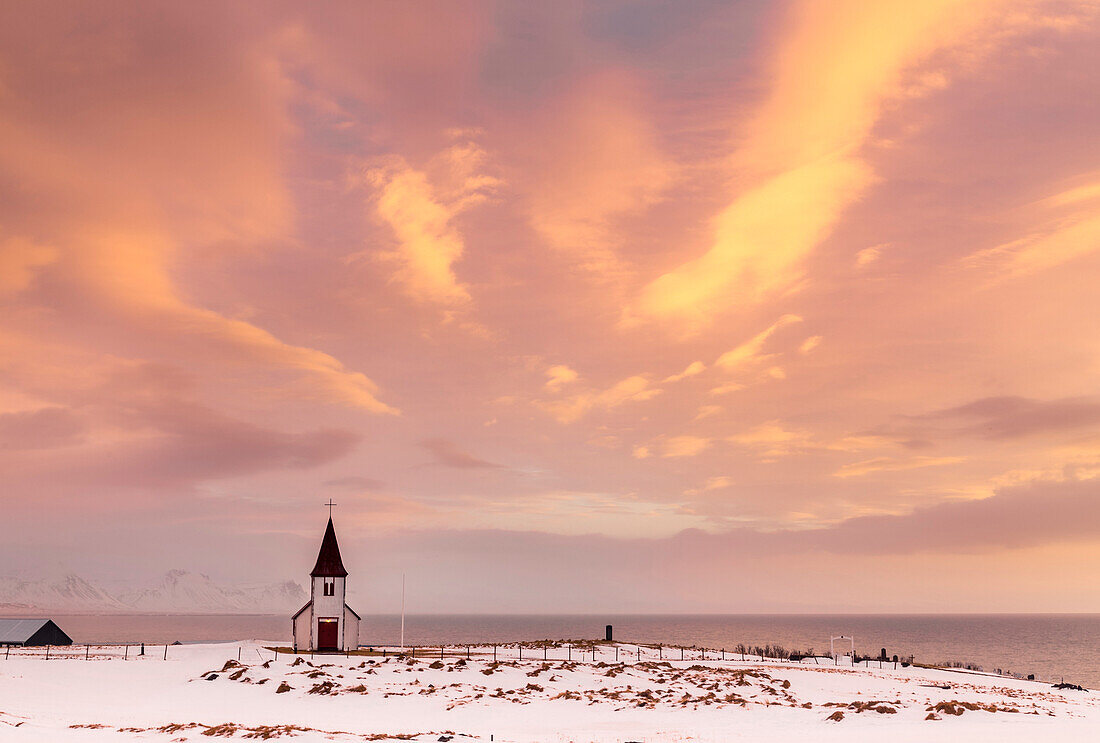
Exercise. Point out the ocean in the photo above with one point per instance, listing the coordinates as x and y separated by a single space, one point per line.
1051 646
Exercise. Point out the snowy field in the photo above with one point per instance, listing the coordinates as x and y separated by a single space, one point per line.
202 692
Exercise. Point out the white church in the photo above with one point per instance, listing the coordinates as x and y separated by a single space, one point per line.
326 623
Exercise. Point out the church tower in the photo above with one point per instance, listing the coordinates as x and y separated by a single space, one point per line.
327 623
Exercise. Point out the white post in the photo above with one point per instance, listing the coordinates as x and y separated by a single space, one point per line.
402 611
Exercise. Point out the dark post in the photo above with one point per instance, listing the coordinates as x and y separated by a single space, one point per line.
520 651
494 653
238 652
142 649
681 653
276 653
47 652
544 652
570 648
607 633
616 653
166 652
86 651
126 652
467 652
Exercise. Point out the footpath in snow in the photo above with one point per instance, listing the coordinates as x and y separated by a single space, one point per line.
544 692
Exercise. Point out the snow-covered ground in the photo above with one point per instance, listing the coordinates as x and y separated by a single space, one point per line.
202 692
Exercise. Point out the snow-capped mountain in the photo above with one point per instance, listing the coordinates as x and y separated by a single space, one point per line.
177 592
62 593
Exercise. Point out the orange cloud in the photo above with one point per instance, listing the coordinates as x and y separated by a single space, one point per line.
888 464
837 67
1072 231
568 410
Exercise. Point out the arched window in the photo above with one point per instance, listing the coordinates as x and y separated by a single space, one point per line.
330 587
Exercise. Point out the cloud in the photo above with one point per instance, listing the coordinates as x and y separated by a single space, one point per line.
428 244
749 353
867 256
809 344
45 428
683 446
598 158
770 440
833 74
632 389
19 261
1072 230
1014 518
695 367
449 454
1015 417
890 464
560 375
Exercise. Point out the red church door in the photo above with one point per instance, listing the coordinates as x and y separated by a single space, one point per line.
327 638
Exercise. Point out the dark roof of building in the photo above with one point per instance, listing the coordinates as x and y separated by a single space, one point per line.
329 564
21 630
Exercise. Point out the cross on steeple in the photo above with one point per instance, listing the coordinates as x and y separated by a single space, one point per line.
330 504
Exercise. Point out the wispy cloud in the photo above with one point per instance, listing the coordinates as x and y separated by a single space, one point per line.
449 454
890 464
632 389
834 73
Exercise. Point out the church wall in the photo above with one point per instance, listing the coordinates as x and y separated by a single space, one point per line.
327 606
302 624
351 630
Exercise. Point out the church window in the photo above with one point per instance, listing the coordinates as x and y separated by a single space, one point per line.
330 587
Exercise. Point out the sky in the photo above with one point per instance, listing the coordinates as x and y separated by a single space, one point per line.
585 307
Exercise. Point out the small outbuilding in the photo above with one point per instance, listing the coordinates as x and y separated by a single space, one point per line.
32 632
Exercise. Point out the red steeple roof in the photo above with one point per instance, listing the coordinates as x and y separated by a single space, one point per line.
329 564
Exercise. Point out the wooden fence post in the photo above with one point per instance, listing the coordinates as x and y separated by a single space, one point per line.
87 649
125 652
47 652
166 652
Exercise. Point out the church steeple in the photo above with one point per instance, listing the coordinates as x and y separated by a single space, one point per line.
329 564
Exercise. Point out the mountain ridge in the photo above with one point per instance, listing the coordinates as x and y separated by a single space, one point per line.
176 592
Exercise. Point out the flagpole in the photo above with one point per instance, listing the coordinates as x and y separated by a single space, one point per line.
402 611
